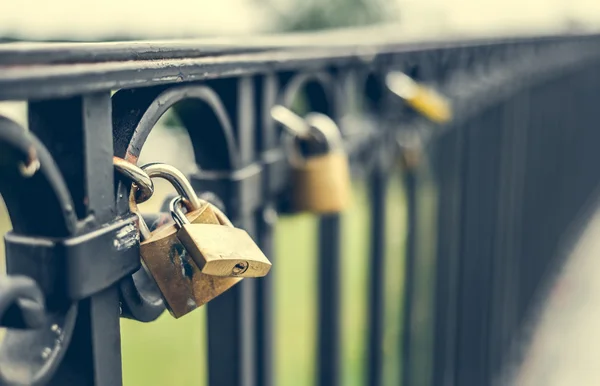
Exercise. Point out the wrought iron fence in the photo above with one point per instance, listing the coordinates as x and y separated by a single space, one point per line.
490 192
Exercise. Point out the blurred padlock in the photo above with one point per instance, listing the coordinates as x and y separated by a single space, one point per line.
421 98
320 170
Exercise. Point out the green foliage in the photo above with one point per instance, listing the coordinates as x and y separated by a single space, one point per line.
171 351
316 15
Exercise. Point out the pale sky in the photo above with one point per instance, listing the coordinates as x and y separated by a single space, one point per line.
84 19
87 19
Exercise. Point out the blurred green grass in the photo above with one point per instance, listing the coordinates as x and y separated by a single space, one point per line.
172 352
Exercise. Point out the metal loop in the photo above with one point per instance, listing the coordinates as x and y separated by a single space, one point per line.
325 126
314 127
292 122
141 299
36 340
180 218
307 127
402 85
36 353
324 130
33 347
21 303
177 179
177 213
142 183
36 186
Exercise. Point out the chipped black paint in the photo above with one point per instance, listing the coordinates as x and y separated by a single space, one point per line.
179 257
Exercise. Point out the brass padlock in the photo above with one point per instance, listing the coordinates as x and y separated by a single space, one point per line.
219 250
425 100
320 171
182 284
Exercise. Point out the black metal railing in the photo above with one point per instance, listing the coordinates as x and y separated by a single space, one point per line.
490 193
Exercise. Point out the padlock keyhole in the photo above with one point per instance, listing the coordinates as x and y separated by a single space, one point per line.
240 268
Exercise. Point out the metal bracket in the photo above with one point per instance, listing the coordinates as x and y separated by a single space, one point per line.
78 267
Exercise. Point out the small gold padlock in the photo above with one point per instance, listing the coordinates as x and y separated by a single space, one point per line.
320 171
179 278
425 100
219 250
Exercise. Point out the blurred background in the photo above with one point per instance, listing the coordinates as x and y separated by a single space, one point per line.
144 19
173 352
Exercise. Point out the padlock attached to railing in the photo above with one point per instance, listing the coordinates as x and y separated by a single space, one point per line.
219 249
320 170
423 99
191 273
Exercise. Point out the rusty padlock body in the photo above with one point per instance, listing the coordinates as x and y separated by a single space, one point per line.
320 181
182 284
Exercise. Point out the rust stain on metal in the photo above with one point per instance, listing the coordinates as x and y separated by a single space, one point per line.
31 164
129 156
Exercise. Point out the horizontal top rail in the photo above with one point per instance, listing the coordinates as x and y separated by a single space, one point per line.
29 53
39 70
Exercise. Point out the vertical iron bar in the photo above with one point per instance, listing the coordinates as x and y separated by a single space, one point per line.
231 326
448 163
378 188
232 315
246 133
94 354
247 319
264 294
410 186
505 285
483 134
78 133
322 98
266 89
521 122
329 301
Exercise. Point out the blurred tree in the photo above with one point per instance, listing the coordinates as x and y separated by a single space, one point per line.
310 15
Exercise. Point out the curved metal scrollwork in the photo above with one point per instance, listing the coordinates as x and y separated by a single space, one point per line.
321 87
38 201
210 130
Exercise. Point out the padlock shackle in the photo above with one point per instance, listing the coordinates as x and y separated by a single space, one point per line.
325 126
292 122
176 212
144 188
177 179
181 219
328 132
